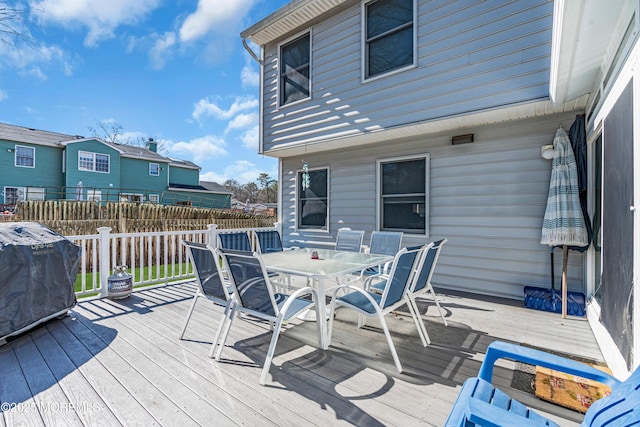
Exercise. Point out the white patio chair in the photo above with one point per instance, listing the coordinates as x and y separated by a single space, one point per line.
372 304
349 240
383 243
422 280
210 282
254 296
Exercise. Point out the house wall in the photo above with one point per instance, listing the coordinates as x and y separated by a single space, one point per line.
184 176
477 57
135 176
46 173
487 198
92 179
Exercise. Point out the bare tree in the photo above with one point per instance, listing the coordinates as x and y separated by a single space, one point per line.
11 20
109 130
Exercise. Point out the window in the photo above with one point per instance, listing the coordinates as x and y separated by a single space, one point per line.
154 169
35 193
295 60
93 162
389 36
313 199
25 156
94 195
154 198
13 195
131 197
403 185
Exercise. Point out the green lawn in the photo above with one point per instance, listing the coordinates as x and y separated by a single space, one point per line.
146 274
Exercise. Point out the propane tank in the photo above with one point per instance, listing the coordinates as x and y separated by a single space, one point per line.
120 283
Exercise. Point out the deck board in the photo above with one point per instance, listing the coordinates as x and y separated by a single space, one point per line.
120 362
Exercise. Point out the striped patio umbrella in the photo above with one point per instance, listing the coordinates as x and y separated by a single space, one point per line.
563 223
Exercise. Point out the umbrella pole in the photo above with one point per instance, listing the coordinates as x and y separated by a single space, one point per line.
553 275
565 255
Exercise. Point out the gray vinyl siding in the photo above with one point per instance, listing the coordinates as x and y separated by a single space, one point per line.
471 56
487 198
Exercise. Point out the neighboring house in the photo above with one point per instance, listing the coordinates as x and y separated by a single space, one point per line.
40 165
428 117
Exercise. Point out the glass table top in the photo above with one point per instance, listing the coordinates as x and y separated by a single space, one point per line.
330 263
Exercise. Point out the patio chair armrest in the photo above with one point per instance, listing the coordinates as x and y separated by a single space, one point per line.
499 350
292 297
485 414
366 283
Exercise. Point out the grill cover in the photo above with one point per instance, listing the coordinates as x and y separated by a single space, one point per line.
38 269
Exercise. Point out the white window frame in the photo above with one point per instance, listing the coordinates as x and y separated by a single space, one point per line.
280 88
35 193
298 213
20 191
364 56
131 197
94 195
33 156
157 166
379 204
154 199
93 166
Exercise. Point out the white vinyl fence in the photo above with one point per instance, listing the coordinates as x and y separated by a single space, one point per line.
152 258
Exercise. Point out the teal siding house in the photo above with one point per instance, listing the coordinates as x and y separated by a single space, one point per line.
41 165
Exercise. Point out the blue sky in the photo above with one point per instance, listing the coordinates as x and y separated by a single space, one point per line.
173 70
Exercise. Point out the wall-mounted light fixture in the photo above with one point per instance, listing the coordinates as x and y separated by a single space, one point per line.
546 151
462 139
10 150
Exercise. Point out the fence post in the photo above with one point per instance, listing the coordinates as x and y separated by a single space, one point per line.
105 267
213 235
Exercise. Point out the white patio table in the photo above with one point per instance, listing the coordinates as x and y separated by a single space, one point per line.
329 266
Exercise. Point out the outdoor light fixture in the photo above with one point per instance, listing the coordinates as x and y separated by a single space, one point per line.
546 151
9 150
462 139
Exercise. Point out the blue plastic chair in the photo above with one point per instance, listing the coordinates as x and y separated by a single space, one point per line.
372 304
237 241
349 240
254 296
209 279
479 403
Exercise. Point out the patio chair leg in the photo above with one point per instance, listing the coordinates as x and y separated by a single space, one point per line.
223 322
361 320
272 348
387 334
332 311
186 322
225 334
417 319
435 298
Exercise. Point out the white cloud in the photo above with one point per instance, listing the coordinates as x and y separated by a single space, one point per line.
200 149
243 121
205 108
249 76
24 56
242 171
250 139
161 50
3 95
100 17
214 16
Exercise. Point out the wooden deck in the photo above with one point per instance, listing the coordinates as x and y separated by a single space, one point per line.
121 363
